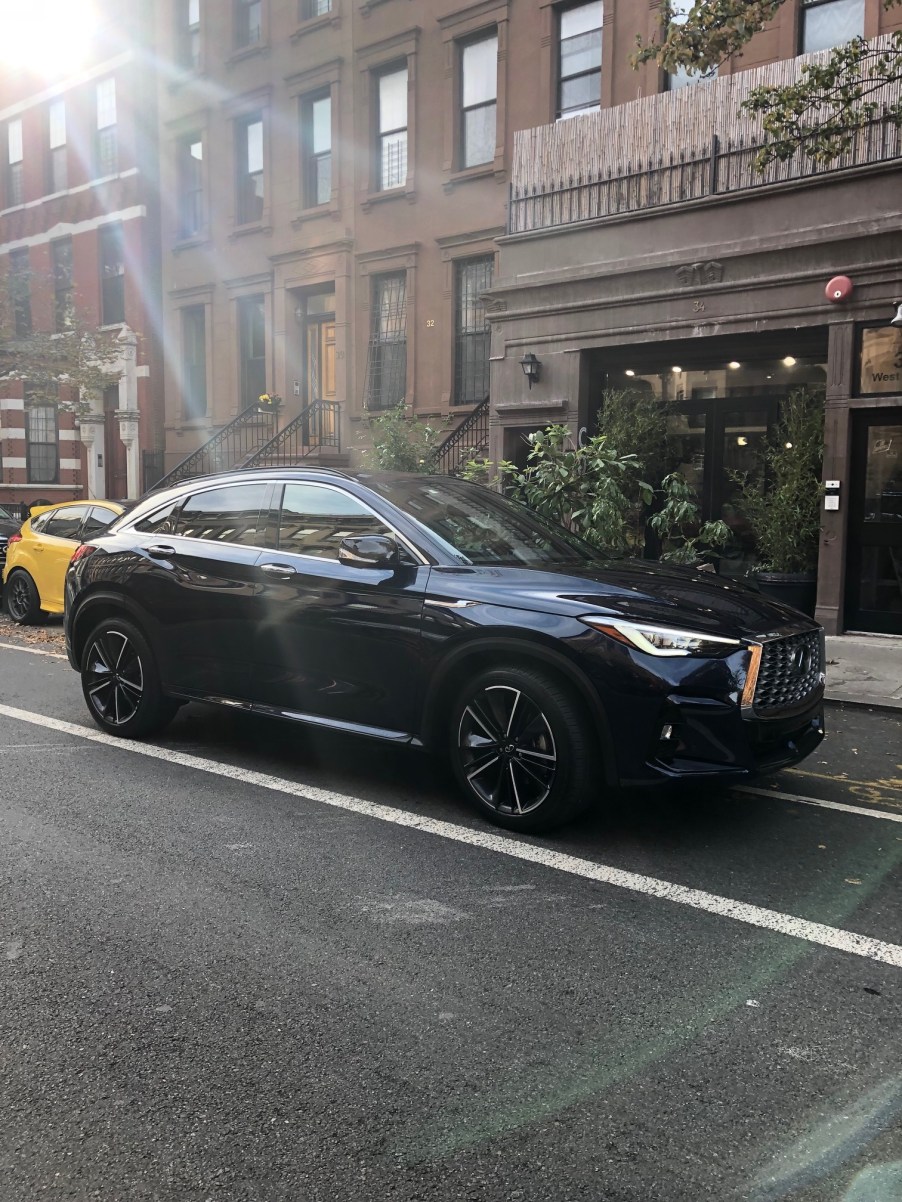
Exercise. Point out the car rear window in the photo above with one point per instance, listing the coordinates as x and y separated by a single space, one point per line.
65 522
98 519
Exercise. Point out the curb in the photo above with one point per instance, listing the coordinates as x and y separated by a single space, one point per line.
881 706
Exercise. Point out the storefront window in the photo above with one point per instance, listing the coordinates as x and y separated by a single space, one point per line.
880 365
720 411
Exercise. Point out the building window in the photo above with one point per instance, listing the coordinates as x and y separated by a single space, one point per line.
674 80
478 98
250 169
316 149
191 185
14 189
392 126
386 368
188 33
579 61
252 348
471 331
315 8
107 147
42 444
112 275
57 167
194 362
829 23
63 306
248 22
20 292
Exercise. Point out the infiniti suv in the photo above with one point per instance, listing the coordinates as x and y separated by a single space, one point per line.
432 612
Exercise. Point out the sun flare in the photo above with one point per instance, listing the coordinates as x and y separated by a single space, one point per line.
46 37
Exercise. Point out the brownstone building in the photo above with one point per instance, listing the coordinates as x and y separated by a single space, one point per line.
341 190
79 233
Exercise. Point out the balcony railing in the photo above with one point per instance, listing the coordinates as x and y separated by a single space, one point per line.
694 144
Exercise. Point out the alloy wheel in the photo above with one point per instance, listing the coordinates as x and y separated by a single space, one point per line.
114 677
507 750
19 598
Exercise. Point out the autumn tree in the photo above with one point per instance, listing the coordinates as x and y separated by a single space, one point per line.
821 111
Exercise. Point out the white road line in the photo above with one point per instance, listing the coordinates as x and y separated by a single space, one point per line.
712 903
865 811
32 650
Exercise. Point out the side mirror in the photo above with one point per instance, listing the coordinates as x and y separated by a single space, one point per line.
369 551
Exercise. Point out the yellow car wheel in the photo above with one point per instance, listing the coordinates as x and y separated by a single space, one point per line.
22 599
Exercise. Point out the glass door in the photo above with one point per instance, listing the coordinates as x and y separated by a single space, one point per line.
874 561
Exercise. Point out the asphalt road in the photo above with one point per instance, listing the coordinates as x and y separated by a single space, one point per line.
262 964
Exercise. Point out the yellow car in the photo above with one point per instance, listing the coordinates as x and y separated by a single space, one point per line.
37 557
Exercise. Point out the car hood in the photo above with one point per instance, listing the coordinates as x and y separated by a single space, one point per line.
652 592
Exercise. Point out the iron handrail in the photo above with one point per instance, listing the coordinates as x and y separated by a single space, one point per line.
450 454
228 447
317 425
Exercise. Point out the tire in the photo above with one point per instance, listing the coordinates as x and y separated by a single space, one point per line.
523 749
121 683
23 602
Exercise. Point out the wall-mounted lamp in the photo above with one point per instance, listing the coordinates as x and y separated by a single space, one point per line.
299 313
897 320
531 367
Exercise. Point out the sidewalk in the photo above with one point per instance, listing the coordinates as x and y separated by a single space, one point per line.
865 670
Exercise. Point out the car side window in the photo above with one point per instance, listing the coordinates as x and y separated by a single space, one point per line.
65 522
161 521
38 523
314 519
97 520
233 514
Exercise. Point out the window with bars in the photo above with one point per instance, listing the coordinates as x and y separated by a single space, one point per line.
191 185
829 23
392 126
478 99
14 181
41 444
250 169
188 33
315 8
194 362
20 291
107 144
57 162
579 59
386 366
112 275
248 22
63 302
252 348
316 149
471 330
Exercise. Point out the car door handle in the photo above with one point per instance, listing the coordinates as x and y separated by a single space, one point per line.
283 571
161 549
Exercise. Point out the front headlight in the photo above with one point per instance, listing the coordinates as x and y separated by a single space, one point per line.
661 640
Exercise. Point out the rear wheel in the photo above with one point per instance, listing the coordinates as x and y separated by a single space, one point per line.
523 749
22 599
120 681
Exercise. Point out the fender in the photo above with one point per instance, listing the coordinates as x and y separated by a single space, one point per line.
518 649
105 599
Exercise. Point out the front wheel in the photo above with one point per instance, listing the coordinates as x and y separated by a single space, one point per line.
22 599
120 682
523 749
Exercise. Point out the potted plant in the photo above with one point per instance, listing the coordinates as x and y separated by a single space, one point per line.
782 499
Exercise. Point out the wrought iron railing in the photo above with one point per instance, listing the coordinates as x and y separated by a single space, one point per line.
151 469
316 426
673 179
230 447
468 441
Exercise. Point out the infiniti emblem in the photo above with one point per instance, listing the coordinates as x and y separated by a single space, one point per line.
802 661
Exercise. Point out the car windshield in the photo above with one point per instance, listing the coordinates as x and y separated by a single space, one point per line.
479 526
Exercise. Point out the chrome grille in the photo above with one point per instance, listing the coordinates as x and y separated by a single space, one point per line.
791 672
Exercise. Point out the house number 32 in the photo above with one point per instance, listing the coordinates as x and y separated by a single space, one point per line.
430 322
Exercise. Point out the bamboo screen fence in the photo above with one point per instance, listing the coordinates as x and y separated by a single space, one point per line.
670 148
